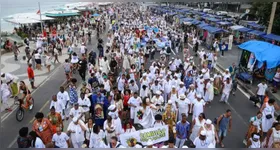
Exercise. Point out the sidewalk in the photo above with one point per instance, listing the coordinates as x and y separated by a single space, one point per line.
233 56
19 69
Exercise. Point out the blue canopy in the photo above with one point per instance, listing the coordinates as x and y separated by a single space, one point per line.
213 30
212 19
264 52
244 29
224 23
185 19
272 37
203 25
195 22
255 25
172 13
256 32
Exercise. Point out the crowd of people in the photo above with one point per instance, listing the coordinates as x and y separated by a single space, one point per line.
128 88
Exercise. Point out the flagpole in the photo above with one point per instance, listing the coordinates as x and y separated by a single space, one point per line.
40 17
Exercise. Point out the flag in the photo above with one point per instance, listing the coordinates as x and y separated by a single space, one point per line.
38 12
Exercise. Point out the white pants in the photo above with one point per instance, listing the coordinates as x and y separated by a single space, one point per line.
165 97
132 113
177 49
225 97
77 144
179 142
5 101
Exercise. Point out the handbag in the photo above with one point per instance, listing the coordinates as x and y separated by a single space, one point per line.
269 116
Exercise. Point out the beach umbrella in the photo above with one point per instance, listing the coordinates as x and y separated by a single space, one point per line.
95 15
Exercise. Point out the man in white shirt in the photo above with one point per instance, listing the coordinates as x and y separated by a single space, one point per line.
58 106
134 102
262 87
157 99
182 89
226 75
83 49
226 90
156 87
133 86
167 85
77 112
60 139
63 96
85 103
121 82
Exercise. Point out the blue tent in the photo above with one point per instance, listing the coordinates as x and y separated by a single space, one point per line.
224 23
203 25
264 52
244 29
256 32
272 37
255 25
185 19
95 15
213 19
195 22
213 30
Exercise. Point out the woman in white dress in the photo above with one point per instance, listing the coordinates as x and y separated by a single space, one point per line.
268 110
104 65
254 141
173 95
196 125
211 133
76 130
126 64
273 137
209 94
48 61
110 129
148 116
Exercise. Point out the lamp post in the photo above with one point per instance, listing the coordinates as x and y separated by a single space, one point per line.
274 5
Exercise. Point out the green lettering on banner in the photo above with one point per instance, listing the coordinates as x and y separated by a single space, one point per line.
153 135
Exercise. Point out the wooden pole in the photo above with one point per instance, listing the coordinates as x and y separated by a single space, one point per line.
274 5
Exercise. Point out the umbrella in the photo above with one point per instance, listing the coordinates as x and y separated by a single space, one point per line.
95 15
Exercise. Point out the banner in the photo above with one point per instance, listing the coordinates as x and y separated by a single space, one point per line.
157 135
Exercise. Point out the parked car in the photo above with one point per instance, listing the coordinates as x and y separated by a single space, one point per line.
207 10
221 13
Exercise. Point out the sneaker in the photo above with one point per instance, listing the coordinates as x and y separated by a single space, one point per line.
30 107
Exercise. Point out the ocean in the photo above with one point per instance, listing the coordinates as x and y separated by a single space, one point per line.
10 7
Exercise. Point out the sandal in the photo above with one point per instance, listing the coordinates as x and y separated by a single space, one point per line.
222 145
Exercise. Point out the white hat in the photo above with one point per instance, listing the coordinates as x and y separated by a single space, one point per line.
150 142
182 96
147 100
191 57
158 92
111 107
256 136
75 119
198 96
169 102
227 69
208 121
173 86
203 70
144 74
182 83
203 133
211 79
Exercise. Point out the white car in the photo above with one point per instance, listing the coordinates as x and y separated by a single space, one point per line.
221 13
206 10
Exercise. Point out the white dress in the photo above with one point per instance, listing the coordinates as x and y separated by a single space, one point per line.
126 64
196 128
112 129
198 107
209 94
183 107
210 135
255 144
267 123
148 118
105 66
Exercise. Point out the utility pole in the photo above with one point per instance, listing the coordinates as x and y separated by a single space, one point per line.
274 5
42 29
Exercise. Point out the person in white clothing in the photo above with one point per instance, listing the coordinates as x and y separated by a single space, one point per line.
58 105
36 141
63 96
201 141
83 49
157 99
77 111
85 103
60 139
254 141
262 87
211 133
209 93
226 90
5 94
76 130
182 89
226 75
198 106
183 106
144 92
134 102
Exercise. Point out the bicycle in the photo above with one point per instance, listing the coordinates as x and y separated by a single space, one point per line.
20 111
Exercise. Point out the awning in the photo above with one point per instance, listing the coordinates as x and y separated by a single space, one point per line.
255 25
264 52
244 29
272 37
256 32
213 30
203 25
22 21
236 27
224 23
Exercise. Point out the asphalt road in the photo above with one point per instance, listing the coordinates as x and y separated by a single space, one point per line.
42 96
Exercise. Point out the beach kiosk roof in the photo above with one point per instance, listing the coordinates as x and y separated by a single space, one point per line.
272 37
66 13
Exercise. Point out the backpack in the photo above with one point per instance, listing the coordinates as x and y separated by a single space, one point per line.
216 120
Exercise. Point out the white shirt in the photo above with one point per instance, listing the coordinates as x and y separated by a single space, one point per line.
227 87
121 83
39 143
96 141
76 113
60 140
201 144
156 88
262 89
198 107
182 90
58 105
158 100
134 101
64 97
37 56
134 88
86 102
78 136
83 49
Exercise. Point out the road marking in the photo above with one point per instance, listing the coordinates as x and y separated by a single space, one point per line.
47 102
14 108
